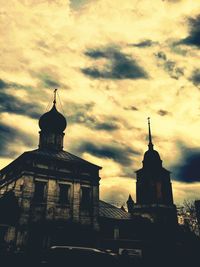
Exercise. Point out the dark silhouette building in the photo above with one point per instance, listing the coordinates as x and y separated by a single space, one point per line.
49 196
154 198
130 204
197 210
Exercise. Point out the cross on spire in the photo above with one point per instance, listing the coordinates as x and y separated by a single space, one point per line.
150 137
54 99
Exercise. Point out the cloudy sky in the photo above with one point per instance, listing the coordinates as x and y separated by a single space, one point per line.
116 63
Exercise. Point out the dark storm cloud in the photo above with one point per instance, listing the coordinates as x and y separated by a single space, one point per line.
48 78
133 108
48 81
82 114
161 55
195 78
162 112
169 66
177 49
107 126
8 135
120 66
74 110
144 44
11 104
96 53
3 84
194 32
188 170
90 121
117 152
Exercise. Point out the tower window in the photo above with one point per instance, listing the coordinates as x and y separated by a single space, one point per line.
40 191
85 197
64 193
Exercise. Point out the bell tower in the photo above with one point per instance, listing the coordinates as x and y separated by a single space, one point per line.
154 196
153 181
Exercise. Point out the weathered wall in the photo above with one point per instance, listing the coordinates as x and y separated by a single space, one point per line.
51 210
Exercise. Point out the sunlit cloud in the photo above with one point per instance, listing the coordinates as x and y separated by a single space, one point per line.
115 64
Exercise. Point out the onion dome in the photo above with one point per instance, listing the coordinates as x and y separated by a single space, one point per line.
53 121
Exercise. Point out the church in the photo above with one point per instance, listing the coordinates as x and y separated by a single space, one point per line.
49 196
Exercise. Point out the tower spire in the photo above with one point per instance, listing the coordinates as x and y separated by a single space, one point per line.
54 98
150 137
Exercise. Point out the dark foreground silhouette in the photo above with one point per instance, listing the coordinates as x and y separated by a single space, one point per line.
157 255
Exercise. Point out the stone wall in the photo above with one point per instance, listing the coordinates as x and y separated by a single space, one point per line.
51 210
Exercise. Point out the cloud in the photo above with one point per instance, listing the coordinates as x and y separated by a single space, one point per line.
195 78
97 53
194 32
162 112
112 190
11 104
77 3
133 108
120 66
145 43
83 114
3 84
48 78
161 55
107 126
116 195
9 135
48 81
169 66
173 1
54 38
104 123
177 49
117 152
188 169
185 191
6 134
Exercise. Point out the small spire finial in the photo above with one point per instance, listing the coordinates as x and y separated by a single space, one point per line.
150 138
54 99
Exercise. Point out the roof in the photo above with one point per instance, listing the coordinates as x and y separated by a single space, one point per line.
59 155
63 156
109 211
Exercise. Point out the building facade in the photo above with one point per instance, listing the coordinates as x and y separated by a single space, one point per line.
49 196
